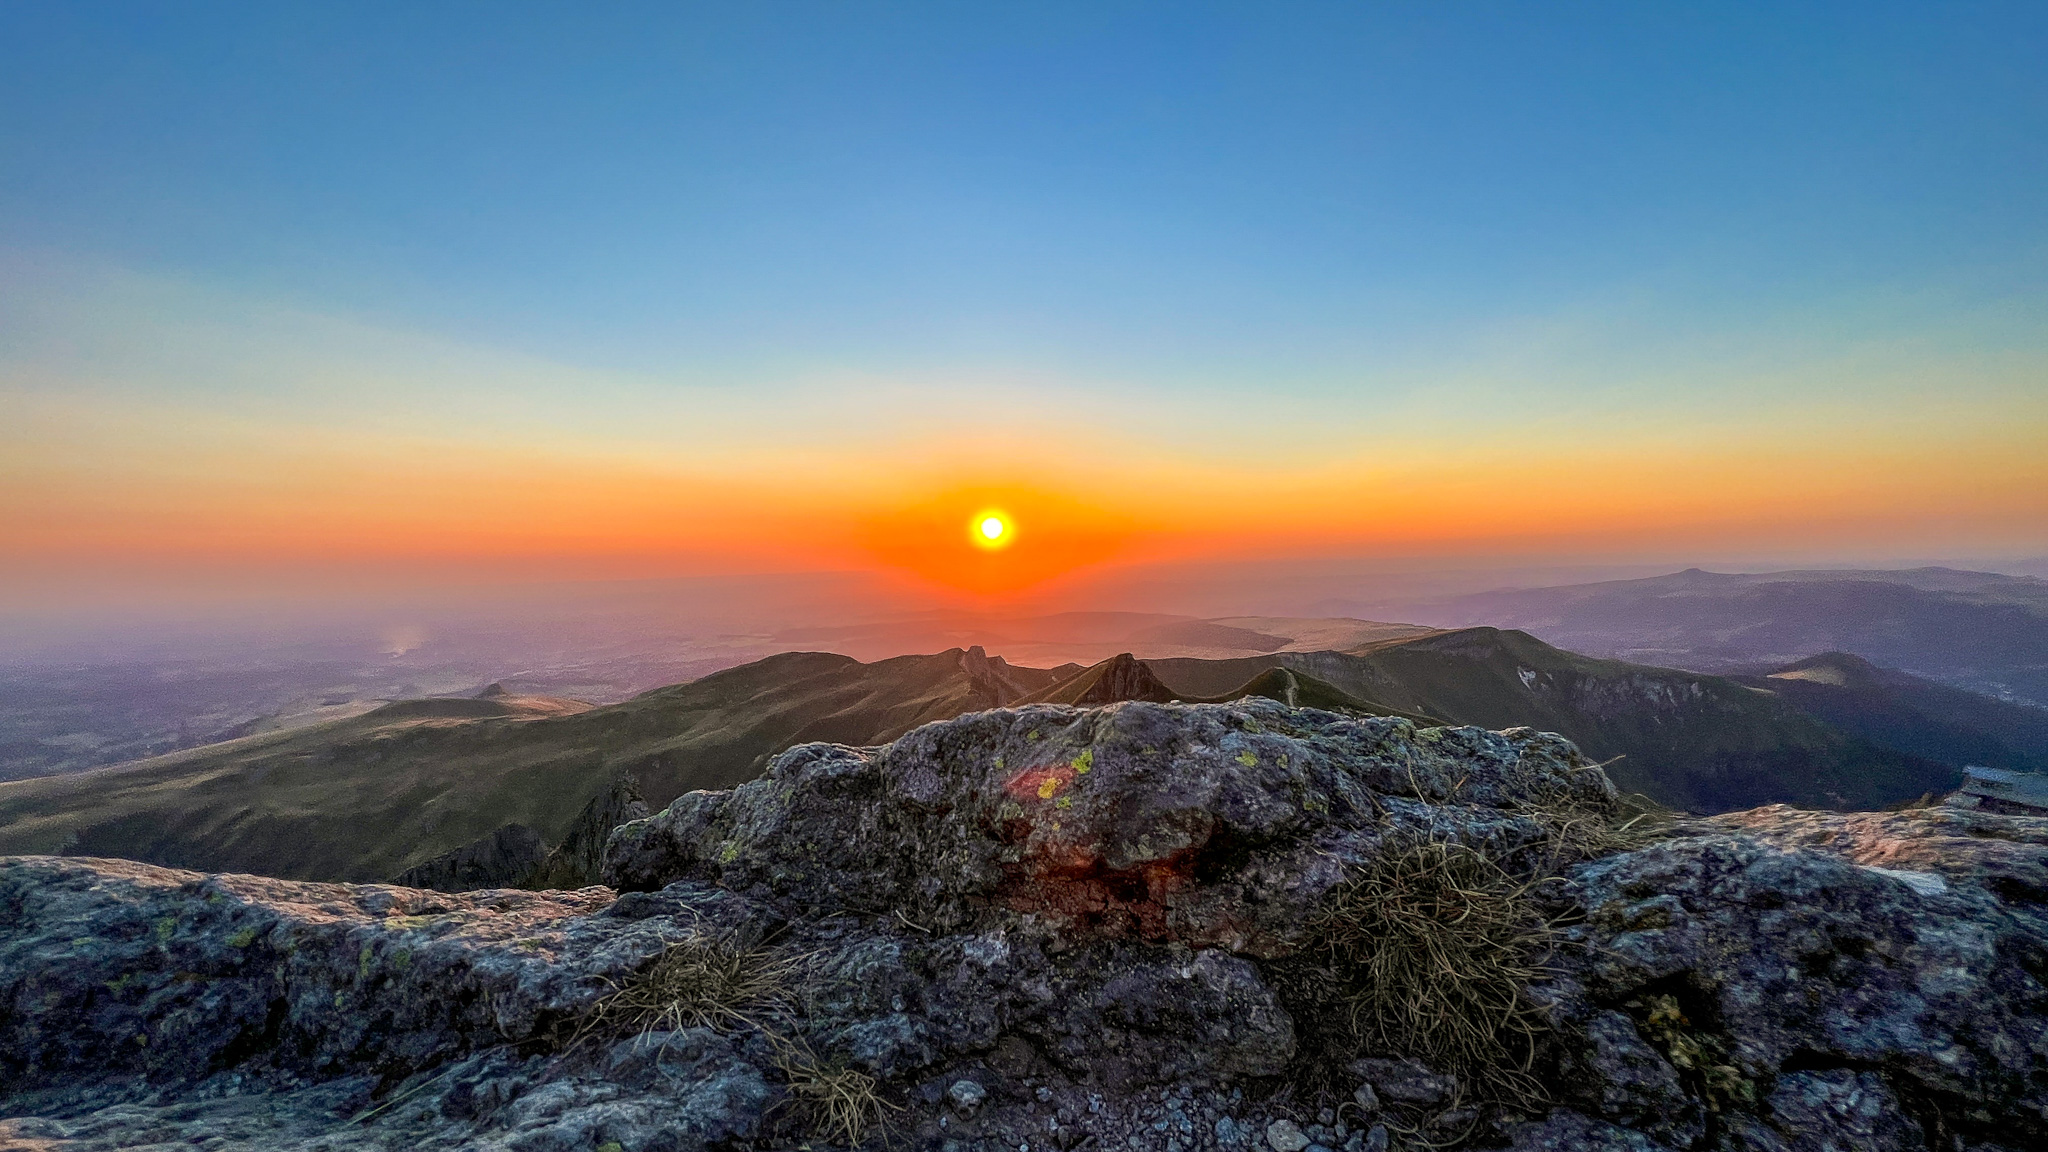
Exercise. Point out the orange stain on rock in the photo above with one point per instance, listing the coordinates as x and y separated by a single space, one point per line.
1040 783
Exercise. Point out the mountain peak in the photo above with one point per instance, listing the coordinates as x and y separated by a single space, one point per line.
1121 677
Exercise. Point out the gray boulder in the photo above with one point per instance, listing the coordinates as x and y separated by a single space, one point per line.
1101 922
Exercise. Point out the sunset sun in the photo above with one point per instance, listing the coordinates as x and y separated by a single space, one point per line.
991 529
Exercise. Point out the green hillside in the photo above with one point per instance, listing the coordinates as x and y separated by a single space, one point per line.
366 797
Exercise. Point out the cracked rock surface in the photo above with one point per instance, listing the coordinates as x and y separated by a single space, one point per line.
1057 928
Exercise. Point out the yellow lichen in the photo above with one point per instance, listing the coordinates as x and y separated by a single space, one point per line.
1247 759
1085 762
1047 787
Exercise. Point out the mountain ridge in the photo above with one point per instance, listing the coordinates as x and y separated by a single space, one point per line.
368 801
1982 631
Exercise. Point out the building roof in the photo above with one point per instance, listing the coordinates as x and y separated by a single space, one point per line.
2028 788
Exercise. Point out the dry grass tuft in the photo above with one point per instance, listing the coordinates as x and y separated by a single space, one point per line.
1584 823
1435 946
713 981
701 981
839 1104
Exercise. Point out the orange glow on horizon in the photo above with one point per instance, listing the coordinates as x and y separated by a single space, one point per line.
98 495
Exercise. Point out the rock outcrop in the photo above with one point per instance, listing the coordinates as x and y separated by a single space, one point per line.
578 861
1060 928
515 856
502 858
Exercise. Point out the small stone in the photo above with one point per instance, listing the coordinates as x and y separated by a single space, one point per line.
1228 1133
1043 1095
1376 1140
1406 1081
966 1095
1367 1099
1325 1117
1286 1136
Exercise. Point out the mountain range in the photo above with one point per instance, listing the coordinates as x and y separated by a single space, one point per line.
404 786
1981 631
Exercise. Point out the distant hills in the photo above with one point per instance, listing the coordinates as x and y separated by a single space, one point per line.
1977 630
366 797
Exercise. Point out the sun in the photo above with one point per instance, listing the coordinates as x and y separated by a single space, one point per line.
991 528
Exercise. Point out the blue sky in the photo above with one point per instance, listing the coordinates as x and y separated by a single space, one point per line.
1636 216
1153 188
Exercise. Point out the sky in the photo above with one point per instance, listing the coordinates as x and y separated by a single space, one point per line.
486 292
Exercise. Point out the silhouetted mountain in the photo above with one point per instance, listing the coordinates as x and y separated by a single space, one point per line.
1116 679
1976 630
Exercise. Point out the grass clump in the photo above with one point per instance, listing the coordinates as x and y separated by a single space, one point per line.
717 981
838 1104
1432 946
701 981
1582 823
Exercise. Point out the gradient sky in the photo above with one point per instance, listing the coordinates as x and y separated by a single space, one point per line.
667 289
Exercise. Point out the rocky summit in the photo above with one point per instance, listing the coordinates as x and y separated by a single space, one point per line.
1141 926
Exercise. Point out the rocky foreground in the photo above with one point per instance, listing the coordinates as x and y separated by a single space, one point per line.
1144 926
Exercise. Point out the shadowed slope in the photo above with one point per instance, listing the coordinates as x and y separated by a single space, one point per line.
1912 714
1301 690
